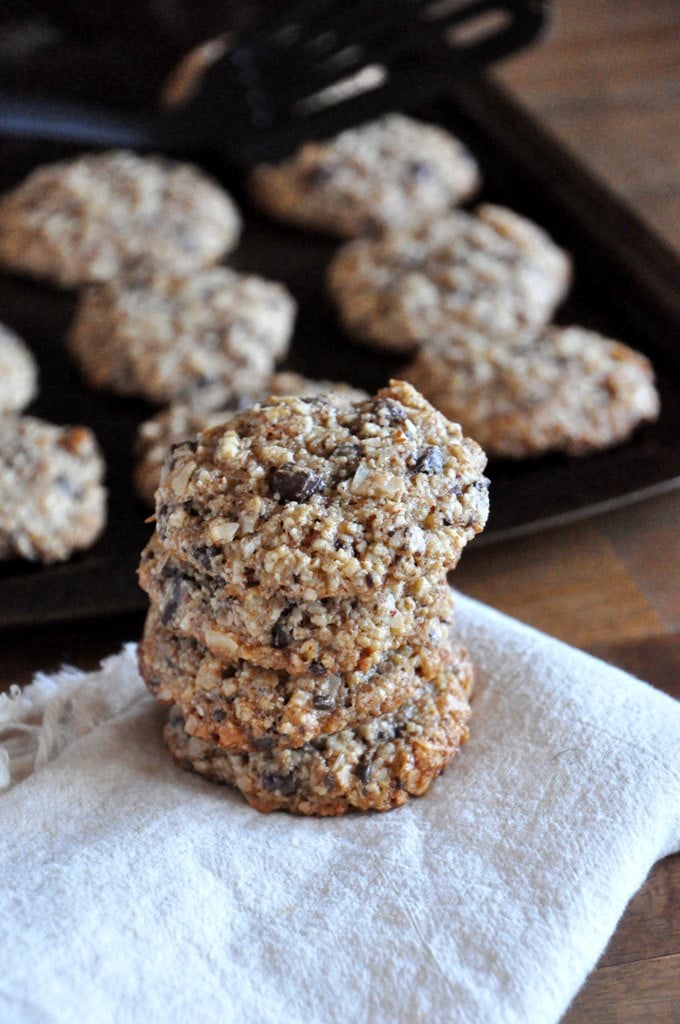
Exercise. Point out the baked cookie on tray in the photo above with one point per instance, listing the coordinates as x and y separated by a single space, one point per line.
86 219
492 271
18 373
341 634
559 389
207 408
309 498
375 766
52 501
394 172
163 335
243 706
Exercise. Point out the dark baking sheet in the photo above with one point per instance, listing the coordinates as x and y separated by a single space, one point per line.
626 286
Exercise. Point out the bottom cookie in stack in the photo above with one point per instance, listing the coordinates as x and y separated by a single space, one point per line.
377 765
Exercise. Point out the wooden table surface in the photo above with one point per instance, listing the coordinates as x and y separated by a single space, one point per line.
607 82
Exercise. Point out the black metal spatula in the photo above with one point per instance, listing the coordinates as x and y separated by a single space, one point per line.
311 70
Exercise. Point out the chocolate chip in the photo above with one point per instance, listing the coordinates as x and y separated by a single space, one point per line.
325 698
153 685
291 483
264 743
281 634
205 554
317 669
388 412
362 770
419 170
283 784
346 451
346 458
430 460
218 715
172 604
64 485
318 175
200 382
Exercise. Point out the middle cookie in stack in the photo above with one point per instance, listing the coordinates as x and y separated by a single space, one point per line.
299 599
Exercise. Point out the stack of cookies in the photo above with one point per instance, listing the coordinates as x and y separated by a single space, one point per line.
300 613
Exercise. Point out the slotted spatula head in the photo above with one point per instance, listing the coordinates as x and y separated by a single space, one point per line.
324 65
309 71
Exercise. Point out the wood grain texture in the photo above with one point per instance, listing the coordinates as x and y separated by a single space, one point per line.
652 990
651 924
608 83
647 542
567 582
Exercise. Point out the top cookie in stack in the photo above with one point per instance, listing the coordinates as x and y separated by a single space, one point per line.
312 498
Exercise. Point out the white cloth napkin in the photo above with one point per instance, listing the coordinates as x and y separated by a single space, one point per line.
135 892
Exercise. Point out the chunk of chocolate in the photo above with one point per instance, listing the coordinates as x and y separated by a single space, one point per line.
419 170
319 174
172 604
204 555
362 770
264 743
293 483
389 413
430 460
281 633
283 784
66 487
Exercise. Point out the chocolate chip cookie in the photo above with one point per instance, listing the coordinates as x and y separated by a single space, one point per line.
18 373
207 408
240 706
494 272
52 501
391 173
310 498
86 219
164 335
376 766
342 634
559 389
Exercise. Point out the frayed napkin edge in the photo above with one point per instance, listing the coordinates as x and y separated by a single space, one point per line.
38 722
